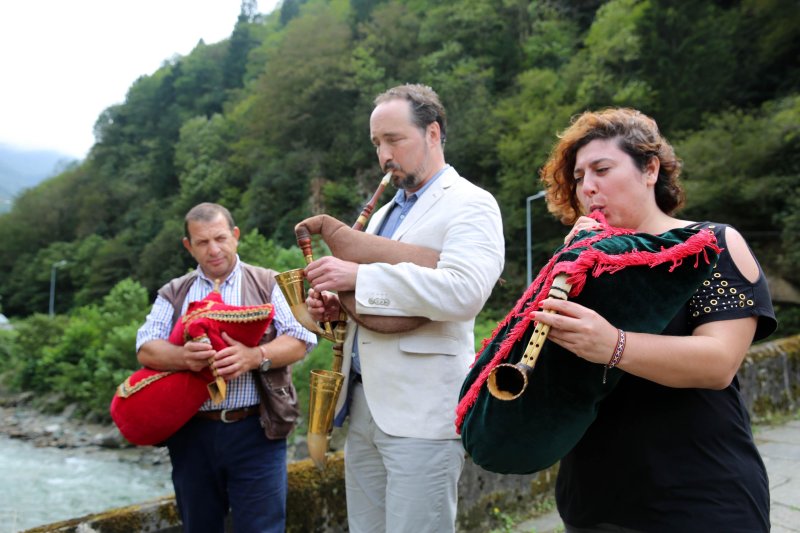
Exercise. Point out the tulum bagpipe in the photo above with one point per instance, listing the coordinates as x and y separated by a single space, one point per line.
636 281
151 405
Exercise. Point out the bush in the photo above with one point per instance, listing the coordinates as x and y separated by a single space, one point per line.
485 323
80 358
788 316
27 345
257 250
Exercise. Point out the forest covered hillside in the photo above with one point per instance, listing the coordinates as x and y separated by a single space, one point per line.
273 123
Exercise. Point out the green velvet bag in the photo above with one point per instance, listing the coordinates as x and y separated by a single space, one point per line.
638 282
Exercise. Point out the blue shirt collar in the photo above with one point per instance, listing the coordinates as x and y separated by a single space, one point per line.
400 197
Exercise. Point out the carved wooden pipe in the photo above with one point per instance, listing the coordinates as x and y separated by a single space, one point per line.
356 246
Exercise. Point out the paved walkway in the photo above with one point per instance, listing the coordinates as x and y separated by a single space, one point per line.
780 449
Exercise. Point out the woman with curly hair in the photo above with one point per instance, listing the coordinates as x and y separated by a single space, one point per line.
671 448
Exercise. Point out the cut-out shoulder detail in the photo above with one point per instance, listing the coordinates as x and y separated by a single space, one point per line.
729 294
741 255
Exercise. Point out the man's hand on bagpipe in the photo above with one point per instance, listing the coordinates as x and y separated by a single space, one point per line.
236 359
196 355
332 274
323 306
578 329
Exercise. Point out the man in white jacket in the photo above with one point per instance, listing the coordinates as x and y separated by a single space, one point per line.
403 457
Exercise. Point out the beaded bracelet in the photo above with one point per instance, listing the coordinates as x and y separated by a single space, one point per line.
617 355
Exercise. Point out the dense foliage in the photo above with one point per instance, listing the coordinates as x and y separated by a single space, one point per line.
273 123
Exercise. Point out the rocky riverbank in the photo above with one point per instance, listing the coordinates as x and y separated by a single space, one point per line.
20 420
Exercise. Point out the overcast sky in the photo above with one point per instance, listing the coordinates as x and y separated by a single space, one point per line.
62 62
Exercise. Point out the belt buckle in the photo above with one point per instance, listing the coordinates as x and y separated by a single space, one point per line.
223 416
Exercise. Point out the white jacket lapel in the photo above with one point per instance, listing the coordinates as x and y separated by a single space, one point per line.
425 202
376 220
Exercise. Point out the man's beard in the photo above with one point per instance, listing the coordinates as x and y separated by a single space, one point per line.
409 181
413 178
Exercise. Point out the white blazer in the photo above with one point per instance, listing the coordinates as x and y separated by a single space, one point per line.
412 380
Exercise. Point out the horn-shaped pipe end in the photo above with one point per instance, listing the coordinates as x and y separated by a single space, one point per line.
324 388
507 382
293 289
317 449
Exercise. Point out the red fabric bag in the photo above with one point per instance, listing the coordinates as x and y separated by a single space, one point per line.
151 405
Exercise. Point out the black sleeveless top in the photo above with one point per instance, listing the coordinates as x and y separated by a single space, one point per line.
666 459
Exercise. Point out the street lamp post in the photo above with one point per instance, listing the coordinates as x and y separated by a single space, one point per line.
56 266
528 220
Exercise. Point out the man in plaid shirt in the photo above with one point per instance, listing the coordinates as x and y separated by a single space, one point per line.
221 458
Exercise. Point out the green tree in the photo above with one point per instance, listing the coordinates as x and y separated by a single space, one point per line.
276 199
244 38
743 168
465 87
289 9
767 48
164 257
80 360
200 87
28 283
689 55
26 365
303 92
607 67
553 36
256 250
525 126
489 31
113 261
200 159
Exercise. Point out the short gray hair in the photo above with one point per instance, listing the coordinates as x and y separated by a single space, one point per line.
206 212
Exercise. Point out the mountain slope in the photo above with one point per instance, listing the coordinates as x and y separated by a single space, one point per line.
21 169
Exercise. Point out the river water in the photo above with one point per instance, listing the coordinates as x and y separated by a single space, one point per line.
44 485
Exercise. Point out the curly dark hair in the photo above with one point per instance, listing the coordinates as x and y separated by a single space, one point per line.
636 134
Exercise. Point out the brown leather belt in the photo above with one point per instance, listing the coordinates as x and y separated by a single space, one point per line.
228 415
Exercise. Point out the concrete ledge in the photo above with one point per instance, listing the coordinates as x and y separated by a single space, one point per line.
315 501
486 498
770 382
770 378
149 517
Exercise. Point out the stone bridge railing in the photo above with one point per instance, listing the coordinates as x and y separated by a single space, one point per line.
770 381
